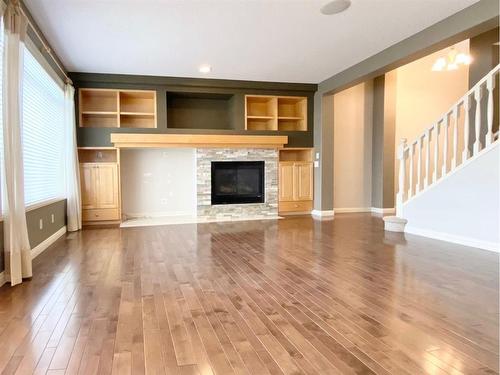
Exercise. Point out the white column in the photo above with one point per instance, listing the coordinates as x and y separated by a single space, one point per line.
410 173
490 85
455 138
444 167
402 178
419 163
465 153
477 122
436 152
427 157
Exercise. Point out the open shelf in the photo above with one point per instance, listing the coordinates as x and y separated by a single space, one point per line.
98 101
137 102
97 155
109 108
282 113
194 110
137 120
99 120
261 112
296 154
292 113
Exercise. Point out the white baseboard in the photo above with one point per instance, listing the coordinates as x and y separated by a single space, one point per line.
466 241
383 211
352 209
3 279
40 248
374 210
325 213
144 215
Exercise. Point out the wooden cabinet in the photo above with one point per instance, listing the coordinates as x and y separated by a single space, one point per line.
100 186
295 180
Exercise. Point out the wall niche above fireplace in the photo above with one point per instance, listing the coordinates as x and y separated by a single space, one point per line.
235 182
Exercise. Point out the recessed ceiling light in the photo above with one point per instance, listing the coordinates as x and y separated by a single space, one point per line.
205 69
335 6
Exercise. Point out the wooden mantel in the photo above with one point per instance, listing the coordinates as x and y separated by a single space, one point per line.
137 140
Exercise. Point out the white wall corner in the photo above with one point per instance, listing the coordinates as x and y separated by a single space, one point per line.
465 241
42 246
323 214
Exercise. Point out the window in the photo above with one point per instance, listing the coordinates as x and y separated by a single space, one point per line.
43 133
1 110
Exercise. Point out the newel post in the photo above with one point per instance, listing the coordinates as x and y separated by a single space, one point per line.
402 177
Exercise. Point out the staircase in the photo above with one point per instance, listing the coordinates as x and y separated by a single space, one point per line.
454 150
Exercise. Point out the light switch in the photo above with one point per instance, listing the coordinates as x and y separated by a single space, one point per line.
316 164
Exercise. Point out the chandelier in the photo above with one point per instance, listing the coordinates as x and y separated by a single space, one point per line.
452 61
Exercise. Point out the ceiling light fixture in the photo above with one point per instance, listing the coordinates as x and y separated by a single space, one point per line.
452 61
335 6
205 69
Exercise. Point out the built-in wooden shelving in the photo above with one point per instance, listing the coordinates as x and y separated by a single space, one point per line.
109 108
275 113
100 184
295 180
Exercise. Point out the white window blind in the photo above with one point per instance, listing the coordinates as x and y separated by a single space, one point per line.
1 110
43 133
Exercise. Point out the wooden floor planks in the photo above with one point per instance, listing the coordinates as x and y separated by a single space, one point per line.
293 296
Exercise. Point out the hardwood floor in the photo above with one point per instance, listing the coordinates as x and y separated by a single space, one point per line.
293 296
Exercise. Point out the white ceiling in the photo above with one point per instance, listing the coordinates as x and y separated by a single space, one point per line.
264 40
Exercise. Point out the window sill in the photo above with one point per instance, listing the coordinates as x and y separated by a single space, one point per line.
37 205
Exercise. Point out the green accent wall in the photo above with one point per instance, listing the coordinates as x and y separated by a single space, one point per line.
35 234
196 106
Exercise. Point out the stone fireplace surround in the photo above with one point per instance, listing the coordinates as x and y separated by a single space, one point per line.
205 210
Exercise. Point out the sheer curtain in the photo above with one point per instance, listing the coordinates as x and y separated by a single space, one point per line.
16 242
73 205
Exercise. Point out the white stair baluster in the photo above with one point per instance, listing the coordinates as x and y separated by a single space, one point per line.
402 177
465 153
419 163
410 173
427 157
444 167
477 121
436 152
455 138
490 85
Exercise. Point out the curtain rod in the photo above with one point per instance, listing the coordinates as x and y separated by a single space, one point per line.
46 46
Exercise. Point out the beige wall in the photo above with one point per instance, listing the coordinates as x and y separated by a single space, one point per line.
353 147
422 95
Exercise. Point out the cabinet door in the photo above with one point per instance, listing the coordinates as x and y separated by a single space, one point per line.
88 185
107 186
286 181
303 181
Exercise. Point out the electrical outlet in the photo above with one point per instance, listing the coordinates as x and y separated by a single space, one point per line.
316 164
163 201
41 224
52 219
99 155
317 156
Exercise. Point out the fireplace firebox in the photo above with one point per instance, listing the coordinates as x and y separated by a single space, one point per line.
235 182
